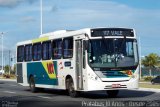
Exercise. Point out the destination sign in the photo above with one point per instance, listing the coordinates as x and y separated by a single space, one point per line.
112 32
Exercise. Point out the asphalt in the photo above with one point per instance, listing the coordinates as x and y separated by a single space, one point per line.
13 94
141 89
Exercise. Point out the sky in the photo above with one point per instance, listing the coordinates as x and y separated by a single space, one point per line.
20 19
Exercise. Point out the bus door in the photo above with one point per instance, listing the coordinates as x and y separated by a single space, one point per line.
19 72
22 73
79 65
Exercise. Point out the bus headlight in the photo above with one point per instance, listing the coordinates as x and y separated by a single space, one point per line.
129 72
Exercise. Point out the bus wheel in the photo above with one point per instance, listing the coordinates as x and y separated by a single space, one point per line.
71 89
32 85
112 93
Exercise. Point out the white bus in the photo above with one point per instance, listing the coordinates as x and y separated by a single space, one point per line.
89 59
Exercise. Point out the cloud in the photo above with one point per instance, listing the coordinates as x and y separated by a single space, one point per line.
54 8
28 19
76 14
106 13
14 3
9 3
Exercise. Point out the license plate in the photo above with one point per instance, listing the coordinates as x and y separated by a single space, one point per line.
116 85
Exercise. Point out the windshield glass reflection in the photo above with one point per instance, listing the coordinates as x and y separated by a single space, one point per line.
112 53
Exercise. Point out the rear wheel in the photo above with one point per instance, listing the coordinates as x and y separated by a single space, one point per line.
71 90
112 93
32 84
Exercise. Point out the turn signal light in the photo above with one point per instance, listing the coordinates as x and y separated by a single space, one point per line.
129 72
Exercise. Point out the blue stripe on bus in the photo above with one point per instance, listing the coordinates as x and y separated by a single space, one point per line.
36 68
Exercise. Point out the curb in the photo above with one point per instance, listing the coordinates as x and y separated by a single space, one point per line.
14 80
146 82
149 89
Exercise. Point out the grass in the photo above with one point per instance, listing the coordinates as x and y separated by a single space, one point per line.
149 85
1 76
142 80
11 77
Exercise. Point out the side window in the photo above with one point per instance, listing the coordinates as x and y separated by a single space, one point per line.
129 49
50 50
37 51
20 54
68 47
28 52
34 52
57 49
46 50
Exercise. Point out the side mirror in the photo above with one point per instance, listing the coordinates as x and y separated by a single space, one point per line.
85 44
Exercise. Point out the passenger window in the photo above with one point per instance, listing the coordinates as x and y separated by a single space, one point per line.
57 49
37 51
28 52
46 51
50 50
20 54
68 47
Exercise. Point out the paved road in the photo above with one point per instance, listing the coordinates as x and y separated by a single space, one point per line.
14 95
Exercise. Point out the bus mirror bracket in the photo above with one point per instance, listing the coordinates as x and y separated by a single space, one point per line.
85 44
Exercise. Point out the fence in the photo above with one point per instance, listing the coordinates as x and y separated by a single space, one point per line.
154 71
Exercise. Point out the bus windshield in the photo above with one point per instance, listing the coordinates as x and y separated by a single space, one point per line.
112 53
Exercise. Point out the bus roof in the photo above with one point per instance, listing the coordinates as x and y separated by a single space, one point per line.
61 34
55 35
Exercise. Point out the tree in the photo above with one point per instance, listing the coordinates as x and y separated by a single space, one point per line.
13 70
150 61
6 68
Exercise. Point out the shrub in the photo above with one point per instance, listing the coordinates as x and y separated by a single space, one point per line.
6 75
12 76
148 78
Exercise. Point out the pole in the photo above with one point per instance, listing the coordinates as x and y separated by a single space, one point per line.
140 64
41 9
9 63
2 49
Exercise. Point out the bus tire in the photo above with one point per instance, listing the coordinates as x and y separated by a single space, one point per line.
32 85
112 93
71 90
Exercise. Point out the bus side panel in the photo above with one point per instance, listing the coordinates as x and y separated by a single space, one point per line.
43 73
19 73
